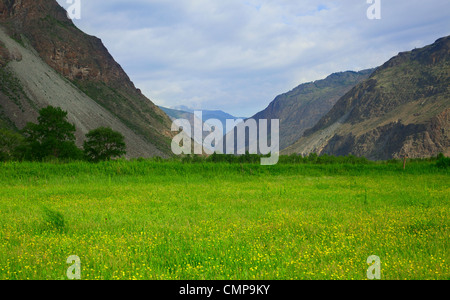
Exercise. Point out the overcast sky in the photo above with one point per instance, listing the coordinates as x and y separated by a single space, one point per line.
237 55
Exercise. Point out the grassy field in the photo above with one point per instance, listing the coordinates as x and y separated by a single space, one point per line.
169 220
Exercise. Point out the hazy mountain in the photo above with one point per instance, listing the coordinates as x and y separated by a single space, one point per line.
46 60
207 114
402 109
177 114
183 112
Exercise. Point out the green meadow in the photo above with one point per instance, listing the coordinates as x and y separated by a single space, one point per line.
155 220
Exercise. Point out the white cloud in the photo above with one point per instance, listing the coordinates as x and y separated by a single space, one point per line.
237 55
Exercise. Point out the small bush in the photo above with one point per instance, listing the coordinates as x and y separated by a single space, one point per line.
443 162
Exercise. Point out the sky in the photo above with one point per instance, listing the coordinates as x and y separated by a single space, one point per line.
238 55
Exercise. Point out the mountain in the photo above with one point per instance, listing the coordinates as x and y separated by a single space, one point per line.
183 112
219 115
301 108
403 109
177 113
46 60
207 114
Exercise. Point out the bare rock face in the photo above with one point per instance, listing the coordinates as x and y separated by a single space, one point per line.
66 49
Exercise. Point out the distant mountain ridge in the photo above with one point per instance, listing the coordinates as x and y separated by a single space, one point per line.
403 109
46 60
183 112
180 111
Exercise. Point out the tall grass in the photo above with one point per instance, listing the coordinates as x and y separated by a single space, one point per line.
11 171
171 220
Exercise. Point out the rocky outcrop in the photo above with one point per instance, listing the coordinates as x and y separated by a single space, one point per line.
5 57
44 24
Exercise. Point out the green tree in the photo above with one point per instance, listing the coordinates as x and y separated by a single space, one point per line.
53 136
104 144
9 144
442 161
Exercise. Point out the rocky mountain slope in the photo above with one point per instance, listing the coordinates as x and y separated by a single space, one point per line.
301 108
403 109
46 60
